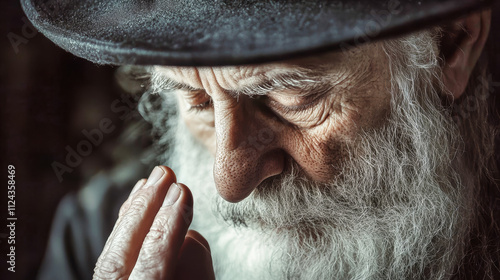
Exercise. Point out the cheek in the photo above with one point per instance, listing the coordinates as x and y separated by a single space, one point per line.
320 155
322 151
201 126
203 133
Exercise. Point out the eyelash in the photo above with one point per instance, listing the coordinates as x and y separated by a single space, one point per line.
201 107
282 109
310 102
294 109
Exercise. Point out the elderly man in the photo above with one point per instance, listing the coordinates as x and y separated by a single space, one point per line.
340 157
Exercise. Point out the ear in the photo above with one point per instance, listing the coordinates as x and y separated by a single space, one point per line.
468 36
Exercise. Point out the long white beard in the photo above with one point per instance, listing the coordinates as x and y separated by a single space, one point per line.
397 211
357 228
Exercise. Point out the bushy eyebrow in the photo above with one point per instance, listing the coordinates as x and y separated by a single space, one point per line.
299 80
302 80
165 83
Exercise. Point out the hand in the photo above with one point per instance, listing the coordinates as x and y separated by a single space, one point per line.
150 239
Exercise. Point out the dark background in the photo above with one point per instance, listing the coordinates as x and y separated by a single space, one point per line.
47 98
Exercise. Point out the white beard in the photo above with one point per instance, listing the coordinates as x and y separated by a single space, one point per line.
398 211
237 253
355 240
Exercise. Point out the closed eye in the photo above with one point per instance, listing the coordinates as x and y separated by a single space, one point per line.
198 101
299 103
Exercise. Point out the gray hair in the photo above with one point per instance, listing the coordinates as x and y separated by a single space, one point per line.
468 245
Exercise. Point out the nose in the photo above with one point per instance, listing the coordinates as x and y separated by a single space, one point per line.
248 149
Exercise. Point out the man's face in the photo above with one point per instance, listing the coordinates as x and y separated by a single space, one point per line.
258 120
344 161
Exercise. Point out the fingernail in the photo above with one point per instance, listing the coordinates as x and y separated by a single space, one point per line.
172 195
155 176
138 185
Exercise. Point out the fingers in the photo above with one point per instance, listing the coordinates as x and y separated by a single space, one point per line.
137 214
199 238
150 240
195 260
126 204
123 208
160 249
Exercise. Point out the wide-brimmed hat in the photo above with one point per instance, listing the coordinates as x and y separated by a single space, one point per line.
228 32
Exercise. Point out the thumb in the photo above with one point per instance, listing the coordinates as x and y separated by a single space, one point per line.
195 260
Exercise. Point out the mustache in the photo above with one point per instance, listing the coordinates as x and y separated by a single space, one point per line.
292 200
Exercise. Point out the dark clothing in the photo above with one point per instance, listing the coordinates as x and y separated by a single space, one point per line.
83 223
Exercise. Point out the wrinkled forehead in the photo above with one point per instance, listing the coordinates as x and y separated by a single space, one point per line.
234 77
228 77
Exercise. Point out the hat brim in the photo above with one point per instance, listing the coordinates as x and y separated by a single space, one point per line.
227 32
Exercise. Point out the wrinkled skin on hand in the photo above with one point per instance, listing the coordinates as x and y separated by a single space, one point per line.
150 239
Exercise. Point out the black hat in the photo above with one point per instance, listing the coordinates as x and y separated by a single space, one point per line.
222 32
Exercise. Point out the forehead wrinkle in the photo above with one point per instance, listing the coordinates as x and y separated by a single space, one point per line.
247 80
297 79
209 80
233 76
167 78
227 77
